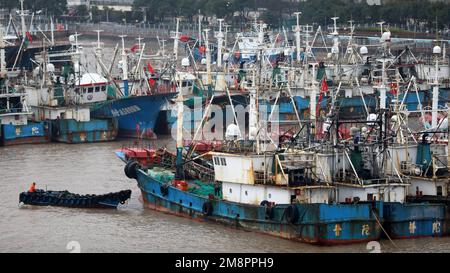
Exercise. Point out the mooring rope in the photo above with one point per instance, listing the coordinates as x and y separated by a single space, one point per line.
379 223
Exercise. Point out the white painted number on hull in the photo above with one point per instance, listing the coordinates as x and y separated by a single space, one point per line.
337 230
436 227
412 227
365 230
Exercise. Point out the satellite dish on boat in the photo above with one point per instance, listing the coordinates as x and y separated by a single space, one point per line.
372 118
185 62
233 132
437 50
386 37
72 39
364 50
51 68
36 71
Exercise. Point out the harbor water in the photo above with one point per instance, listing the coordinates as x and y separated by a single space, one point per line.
94 169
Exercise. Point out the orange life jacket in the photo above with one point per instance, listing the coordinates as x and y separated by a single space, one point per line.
32 188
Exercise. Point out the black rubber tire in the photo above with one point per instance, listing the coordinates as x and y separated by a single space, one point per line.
131 169
268 209
164 190
207 208
291 214
125 169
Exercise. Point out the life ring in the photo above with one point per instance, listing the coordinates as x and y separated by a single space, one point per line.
164 190
291 214
268 209
207 208
131 169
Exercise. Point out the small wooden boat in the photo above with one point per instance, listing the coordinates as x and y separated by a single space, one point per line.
71 200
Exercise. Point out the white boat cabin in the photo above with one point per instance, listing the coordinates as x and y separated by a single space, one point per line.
91 87
435 181
251 179
13 109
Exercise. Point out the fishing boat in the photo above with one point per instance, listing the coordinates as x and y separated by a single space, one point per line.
136 99
273 191
15 127
64 99
71 200
15 115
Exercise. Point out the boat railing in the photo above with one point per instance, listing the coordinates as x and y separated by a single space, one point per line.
263 178
11 111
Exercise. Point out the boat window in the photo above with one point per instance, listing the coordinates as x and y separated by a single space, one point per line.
246 192
97 89
270 195
370 197
104 88
216 161
91 90
439 191
77 90
223 161
231 191
184 84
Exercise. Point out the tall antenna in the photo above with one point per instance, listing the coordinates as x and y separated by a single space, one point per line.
297 35
220 37
335 32
22 19
381 26
124 67
99 51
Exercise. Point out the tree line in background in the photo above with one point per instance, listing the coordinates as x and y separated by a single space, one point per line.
49 7
273 12
314 11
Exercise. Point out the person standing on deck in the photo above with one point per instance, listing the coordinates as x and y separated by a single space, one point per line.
32 187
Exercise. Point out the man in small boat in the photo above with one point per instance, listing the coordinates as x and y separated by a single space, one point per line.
32 187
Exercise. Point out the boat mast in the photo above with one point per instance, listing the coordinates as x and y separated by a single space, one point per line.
124 67
99 51
297 35
200 17
435 105
52 31
208 58
313 99
176 38
22 19
2 54
180 109
220 37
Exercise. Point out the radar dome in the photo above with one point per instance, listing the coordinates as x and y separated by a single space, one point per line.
386 37
364 50
233 132
72 39
51 68
185 62
437 50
